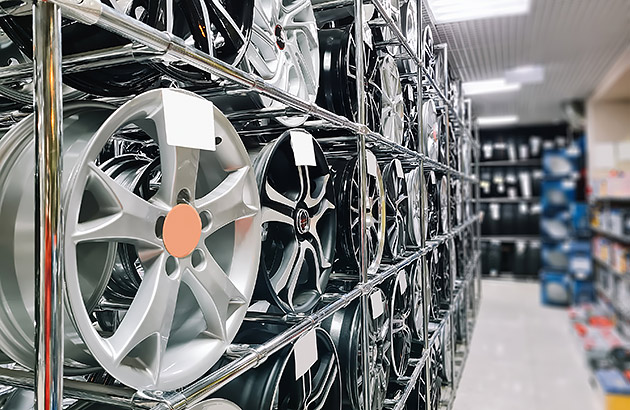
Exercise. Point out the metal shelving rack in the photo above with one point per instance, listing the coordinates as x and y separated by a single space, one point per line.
149 43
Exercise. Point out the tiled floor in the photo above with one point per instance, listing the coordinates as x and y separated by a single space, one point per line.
523 356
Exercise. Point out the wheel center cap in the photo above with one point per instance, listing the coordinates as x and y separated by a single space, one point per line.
182 230
280 41
302 221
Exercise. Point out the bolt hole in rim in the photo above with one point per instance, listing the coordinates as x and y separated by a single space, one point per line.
156 345
273 384
299 225
345 329
284 51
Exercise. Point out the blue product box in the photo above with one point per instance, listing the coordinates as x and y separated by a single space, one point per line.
557 194
583 292
612 381
580 260
580 221
556 228
561 162
555 288
555 256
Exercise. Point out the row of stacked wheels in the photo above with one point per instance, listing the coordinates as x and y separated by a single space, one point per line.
174 246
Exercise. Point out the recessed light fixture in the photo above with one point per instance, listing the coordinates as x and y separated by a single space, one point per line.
497 85
450 11
495 121
526 74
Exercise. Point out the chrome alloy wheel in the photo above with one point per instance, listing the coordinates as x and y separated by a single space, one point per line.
215 404
417 207
284 51
345 328
416 321
400 306
430 130
443 193
397 204
428 55
409 23
432 221
196 281
392 113
299 224
349 209
274 384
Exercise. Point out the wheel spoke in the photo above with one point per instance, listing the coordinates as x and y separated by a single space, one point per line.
272 215
145 329
325 206
133 222
225 203
305 183
304 246
216 294
281 277
232 29
179 172
311 202
277 197
321 388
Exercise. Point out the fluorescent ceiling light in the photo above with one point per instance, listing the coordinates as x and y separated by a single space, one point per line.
527 74
450 11
494 121
498 85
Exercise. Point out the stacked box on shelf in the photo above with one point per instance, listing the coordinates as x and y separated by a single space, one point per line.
566 273
510 189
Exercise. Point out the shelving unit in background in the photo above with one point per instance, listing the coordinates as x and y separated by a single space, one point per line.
510 182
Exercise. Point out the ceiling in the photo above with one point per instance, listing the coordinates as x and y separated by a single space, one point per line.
576 41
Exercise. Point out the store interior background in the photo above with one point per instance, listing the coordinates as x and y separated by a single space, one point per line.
550 83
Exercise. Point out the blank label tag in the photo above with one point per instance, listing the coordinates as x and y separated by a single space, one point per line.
303 149
402 282
377 305
188 120
399 169
305 352
371 163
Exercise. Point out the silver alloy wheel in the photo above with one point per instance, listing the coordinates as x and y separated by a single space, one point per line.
299 224
428 55
430 129
392 103
215 404
417 209
275 384
345 326
397 203
444 204
284 51
187 309
400 309
349 211
409 23
417 309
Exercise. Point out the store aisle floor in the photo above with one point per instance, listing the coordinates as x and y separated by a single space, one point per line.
523 356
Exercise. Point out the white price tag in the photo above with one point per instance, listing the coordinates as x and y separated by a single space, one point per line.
371 163
303 148
188 120
377 305
399 169
402 282
305 353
